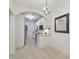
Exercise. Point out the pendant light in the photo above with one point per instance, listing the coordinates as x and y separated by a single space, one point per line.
46 10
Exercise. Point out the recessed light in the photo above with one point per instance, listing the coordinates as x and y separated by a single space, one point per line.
29 16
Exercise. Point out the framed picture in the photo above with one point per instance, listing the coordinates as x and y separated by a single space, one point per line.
62 24
41 27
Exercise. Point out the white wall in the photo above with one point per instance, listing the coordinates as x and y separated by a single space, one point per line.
60 41
19 29
11 5
42 21
12 34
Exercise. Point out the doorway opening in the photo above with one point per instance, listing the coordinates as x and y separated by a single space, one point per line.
33 24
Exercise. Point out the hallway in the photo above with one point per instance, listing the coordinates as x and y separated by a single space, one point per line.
31 51
47 22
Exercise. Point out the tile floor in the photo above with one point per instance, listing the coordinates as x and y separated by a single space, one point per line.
31 51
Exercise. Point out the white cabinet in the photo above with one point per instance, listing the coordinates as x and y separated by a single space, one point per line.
43 41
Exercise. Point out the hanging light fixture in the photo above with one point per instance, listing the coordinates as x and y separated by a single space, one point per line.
46 10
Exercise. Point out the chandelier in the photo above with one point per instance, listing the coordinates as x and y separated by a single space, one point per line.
46 10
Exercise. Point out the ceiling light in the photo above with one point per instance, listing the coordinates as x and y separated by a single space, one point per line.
46 10
29 16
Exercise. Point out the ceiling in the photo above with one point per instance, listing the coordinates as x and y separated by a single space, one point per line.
33 16
38 4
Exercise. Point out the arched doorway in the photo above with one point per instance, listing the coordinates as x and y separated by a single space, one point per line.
22 29
33 21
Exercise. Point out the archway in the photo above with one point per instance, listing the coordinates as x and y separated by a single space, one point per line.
21 22
33 21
